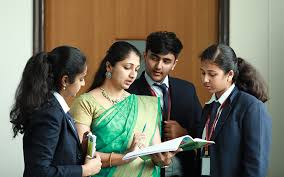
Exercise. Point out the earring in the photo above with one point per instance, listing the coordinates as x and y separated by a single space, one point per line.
108 75
64 87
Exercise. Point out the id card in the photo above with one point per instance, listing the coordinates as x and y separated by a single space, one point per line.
205 165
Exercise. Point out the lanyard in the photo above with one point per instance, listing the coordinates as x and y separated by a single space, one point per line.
209 133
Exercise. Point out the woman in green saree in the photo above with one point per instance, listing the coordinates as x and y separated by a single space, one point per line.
121 121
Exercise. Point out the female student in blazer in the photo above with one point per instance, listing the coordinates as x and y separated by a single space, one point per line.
240 125
50 143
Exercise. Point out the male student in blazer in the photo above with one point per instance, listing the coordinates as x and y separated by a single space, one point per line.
162 50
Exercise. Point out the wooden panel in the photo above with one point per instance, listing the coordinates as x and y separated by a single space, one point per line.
93 25
130 19
104 32
196 23
206 34
71 23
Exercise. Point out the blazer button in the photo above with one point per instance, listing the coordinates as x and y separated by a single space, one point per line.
79 156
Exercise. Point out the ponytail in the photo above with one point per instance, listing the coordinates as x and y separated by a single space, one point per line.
250 81
32 91
43 75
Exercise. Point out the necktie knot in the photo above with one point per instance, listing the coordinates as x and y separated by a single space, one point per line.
163 87
215 105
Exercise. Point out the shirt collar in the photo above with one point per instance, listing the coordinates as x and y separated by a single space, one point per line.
61 101
223 98
151 82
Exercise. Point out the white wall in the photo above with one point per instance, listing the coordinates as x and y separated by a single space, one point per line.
16 48
277 84
256 33
249 32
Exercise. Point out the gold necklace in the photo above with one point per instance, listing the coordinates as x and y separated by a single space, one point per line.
113 101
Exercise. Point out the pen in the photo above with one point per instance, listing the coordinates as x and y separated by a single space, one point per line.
144 128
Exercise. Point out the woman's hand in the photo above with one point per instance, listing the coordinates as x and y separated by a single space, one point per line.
115 159
163 159
138 142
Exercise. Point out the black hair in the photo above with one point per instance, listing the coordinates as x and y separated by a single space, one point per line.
246 77
118 51
164 42
41 76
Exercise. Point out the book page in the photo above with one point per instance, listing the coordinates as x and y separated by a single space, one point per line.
171 145
196 143
185 142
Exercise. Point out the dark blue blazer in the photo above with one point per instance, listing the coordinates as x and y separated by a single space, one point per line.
185 109
242 137
51 146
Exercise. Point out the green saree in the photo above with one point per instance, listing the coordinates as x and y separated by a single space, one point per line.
115 128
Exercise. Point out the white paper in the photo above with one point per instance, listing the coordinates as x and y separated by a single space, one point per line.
171 145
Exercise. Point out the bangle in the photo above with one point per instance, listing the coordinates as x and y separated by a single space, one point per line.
110 159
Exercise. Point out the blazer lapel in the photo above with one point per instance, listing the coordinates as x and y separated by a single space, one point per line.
172 86
68 119
71 124
144 86
223 117
232 99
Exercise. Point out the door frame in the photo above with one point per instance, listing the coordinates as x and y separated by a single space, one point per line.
39 24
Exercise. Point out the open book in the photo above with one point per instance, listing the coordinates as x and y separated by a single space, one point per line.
185 142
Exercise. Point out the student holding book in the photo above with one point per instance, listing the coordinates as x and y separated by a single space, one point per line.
51 145
122 122
235 117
